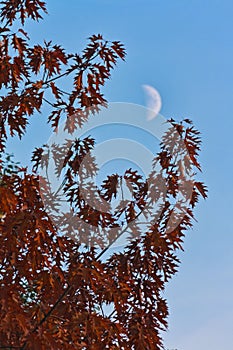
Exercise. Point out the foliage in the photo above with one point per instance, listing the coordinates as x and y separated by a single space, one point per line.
8 165
54 291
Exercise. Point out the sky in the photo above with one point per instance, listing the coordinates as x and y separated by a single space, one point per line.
185 50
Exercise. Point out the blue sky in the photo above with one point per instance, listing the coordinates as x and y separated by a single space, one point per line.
185 50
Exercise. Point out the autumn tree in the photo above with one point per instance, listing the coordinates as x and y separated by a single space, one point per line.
56 290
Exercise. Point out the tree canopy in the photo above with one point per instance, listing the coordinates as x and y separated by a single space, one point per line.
56 291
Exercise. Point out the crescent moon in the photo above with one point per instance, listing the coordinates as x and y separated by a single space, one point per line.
154 101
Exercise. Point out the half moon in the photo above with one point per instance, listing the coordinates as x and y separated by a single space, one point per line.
154 102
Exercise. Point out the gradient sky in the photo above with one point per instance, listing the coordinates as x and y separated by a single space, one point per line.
184 48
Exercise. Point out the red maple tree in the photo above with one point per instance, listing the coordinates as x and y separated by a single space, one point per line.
56 292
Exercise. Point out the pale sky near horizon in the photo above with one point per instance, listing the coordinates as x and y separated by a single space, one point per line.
185 50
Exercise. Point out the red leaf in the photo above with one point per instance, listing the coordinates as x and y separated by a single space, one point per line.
202 189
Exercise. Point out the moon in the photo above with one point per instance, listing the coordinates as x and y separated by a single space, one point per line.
154 102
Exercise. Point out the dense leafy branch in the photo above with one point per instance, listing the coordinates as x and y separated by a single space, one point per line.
57 290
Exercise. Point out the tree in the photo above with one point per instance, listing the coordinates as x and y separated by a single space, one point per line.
54 289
